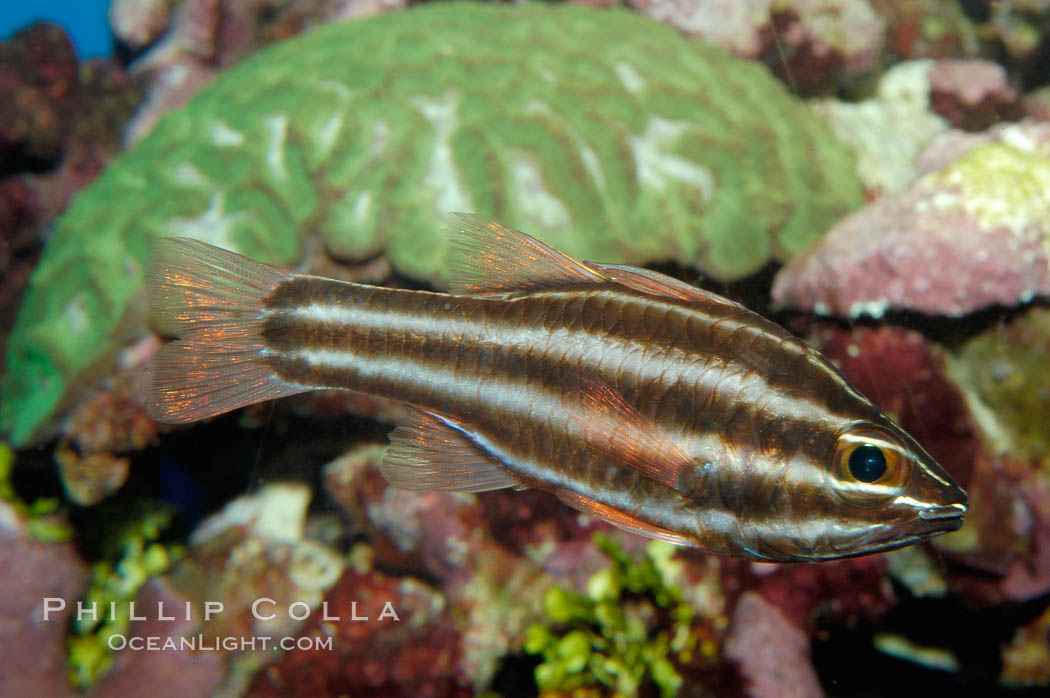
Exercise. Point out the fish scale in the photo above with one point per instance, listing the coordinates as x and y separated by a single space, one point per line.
659 407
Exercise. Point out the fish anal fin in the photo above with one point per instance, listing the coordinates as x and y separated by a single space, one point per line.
487 257
432 453
620 519
625 437
656 284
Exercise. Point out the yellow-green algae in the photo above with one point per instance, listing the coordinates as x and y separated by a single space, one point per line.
1002 183
605 637
1005 373
608 134
44 519
131 555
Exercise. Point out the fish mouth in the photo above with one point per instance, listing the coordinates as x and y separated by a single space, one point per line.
950 515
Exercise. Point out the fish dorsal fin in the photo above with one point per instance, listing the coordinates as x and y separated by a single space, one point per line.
433 453
621 519
486 257
657 284
626 437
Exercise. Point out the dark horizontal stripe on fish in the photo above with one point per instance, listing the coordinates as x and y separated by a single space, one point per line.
435 325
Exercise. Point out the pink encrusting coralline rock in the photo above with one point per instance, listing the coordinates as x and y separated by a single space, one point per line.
973 234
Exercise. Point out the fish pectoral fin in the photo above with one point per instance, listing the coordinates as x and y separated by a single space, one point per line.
625 437
486 257
656 284
432 453
620 519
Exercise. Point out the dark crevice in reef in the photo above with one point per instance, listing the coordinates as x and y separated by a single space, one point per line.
849 664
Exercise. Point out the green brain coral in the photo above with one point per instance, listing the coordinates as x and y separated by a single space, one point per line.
606 133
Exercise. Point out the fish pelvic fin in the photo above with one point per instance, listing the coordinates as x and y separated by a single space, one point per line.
487 257
214 301
434 453
621 519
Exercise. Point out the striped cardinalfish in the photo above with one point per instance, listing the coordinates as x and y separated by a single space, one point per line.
643 401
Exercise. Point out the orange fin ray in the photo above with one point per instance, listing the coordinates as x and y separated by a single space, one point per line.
620 519
213 299
486 257
626 437
432 454
194 286
656 284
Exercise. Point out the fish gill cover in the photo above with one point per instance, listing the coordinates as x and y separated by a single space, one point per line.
607 134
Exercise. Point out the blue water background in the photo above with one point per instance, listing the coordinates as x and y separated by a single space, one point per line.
84 20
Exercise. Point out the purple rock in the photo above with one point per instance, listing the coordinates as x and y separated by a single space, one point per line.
33 660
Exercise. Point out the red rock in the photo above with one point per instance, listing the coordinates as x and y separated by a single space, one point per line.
170 673
927 29
773 653
972 94
1036 104
810 43
38 85
417 655
904 375
110 421
1005 544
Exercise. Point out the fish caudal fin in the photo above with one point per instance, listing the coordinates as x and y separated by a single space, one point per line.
213 300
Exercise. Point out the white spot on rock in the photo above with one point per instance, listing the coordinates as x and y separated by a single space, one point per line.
223 135
328 134
874 309
539 203
276 513
593 166
442 176
188 174
76 314
657 167
362 206
277 133
213 226
629 76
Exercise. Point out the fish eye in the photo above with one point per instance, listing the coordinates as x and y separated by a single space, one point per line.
870 463
867 463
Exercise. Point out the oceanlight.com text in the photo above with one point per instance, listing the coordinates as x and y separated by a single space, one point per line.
205 643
